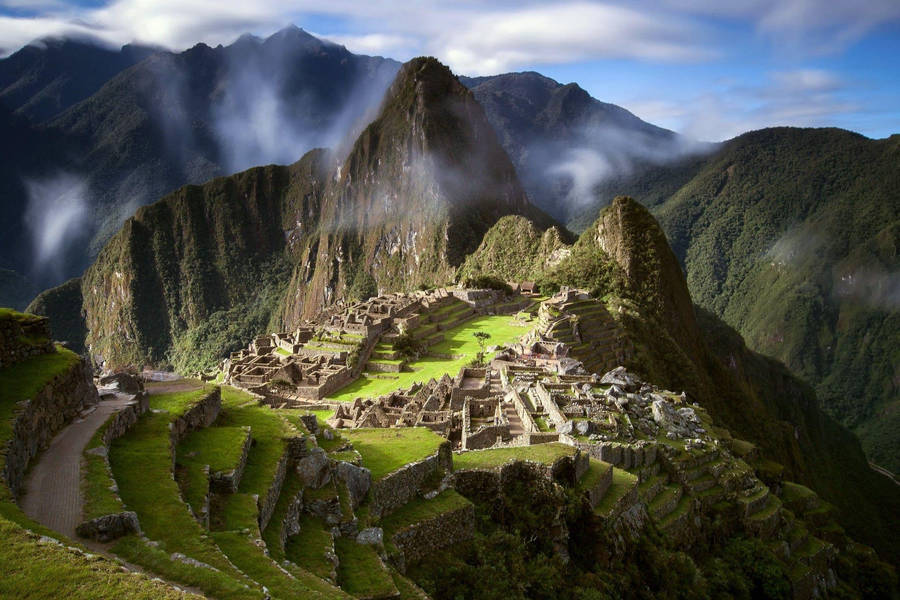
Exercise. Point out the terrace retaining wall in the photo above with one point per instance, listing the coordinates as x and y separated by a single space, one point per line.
396 489
424 538
38 419
202 414
228 481
13 349
106 528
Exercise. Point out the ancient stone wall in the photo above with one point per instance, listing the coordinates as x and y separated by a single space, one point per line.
39 418
202 414
21 339
396 489
427 537
228 481
267 503
123 420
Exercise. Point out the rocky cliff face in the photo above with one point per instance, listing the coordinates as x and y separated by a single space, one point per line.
420 187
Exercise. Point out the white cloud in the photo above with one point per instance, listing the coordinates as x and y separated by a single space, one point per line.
801 98
473 37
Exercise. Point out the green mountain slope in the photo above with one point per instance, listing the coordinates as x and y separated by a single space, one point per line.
624 256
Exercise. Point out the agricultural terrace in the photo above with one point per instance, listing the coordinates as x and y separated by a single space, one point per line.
459 342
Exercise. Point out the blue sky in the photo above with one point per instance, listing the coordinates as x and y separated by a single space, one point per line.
706 68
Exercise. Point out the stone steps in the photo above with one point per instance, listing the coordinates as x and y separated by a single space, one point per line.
678 517
701 484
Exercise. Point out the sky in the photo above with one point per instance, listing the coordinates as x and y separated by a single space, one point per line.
710 69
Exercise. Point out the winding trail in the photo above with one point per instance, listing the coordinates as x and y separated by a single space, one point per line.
53 485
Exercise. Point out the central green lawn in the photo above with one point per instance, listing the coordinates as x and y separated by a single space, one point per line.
458 341
486 459
384 451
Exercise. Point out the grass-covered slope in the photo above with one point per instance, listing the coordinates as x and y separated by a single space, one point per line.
791 236
62 305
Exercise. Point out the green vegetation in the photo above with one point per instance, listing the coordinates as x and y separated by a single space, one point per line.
596 472
384 451
97 480
309 547
63 304
142 467
46 570
622 483
487 459
360 571
420 509
23 380
457 342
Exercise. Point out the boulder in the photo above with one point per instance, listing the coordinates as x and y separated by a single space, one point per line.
123 382
313 468
371 536
567 428
357 479
620 377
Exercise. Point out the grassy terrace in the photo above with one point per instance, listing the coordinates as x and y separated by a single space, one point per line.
458 341
236 520
37 570
487 459
384 451
32 570
622 483
272 533
24 379
361 572
97 480
142 466
308 548
421 509
595 473
218 447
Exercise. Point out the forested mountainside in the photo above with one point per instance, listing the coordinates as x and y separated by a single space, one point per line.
113 130
624 257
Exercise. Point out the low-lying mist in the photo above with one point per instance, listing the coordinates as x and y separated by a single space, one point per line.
57 219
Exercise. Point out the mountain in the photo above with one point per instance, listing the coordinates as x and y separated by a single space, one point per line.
564 143
789 235
199 273
47 77
165 121
624 257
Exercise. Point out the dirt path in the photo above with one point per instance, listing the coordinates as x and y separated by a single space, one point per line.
53 485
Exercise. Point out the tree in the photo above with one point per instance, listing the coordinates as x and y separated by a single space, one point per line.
482 337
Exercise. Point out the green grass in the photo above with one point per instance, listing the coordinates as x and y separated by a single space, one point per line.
684 504
793 492
307 548
594 475
622 483
420 509
407 589
21 381
218 447
282 351
269 430
384 451
272 533
142 466
360 571
156 560
487 459
32 570
251 559
99 499
458 341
